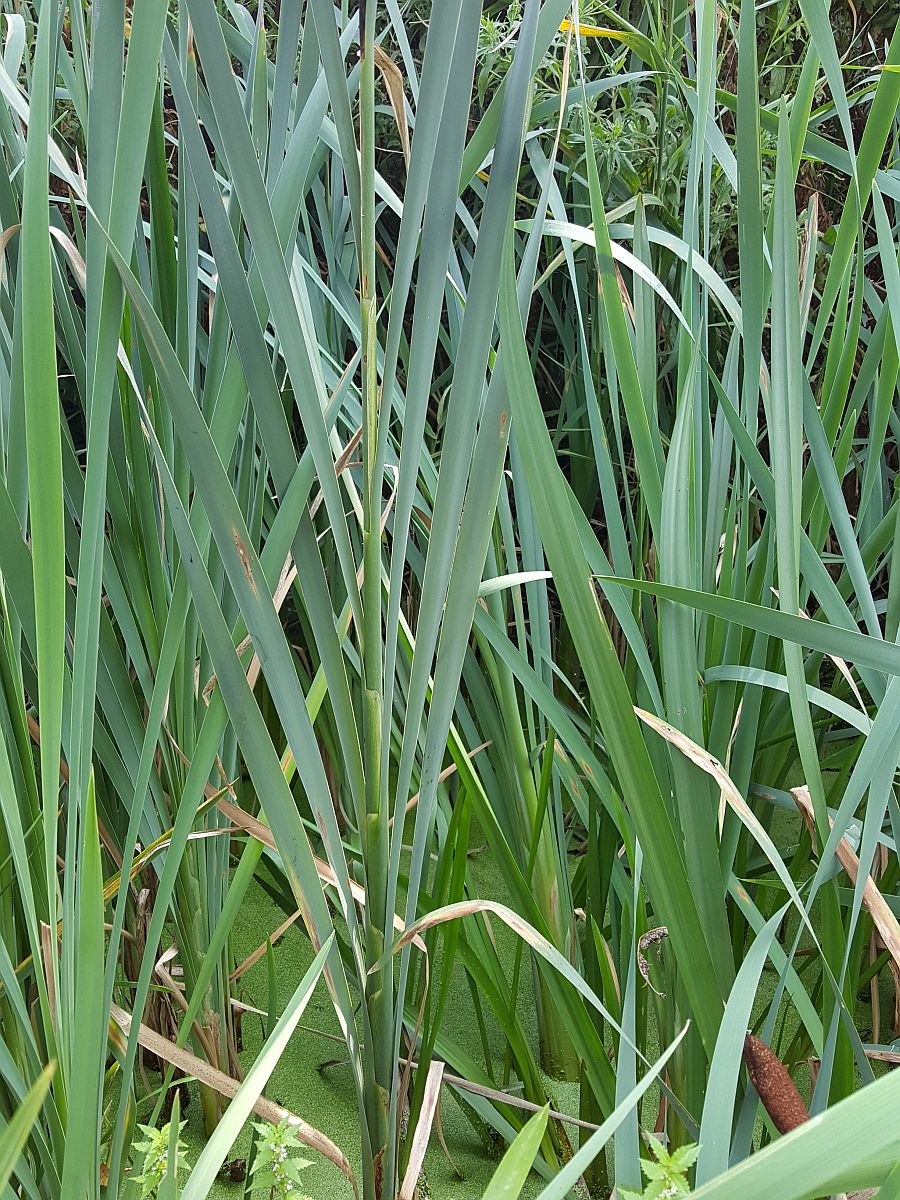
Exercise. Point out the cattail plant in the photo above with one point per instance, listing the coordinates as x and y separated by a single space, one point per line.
433 434
776 1089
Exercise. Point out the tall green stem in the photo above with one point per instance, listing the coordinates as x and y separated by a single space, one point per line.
378 1067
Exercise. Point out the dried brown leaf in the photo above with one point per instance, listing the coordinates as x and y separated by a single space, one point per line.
393 82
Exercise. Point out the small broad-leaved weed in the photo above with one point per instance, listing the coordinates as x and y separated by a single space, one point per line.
274 1168
667 1176
156 1157
494 47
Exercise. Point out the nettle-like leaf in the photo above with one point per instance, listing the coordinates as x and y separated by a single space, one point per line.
682 1159
276 1167
155 1165
666 1172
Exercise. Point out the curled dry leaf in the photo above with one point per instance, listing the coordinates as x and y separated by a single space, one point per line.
650 938
393 82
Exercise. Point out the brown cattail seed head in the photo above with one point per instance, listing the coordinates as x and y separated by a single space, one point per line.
776 1089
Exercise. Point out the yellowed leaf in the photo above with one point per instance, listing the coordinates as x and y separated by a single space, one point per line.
591 31
882 915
